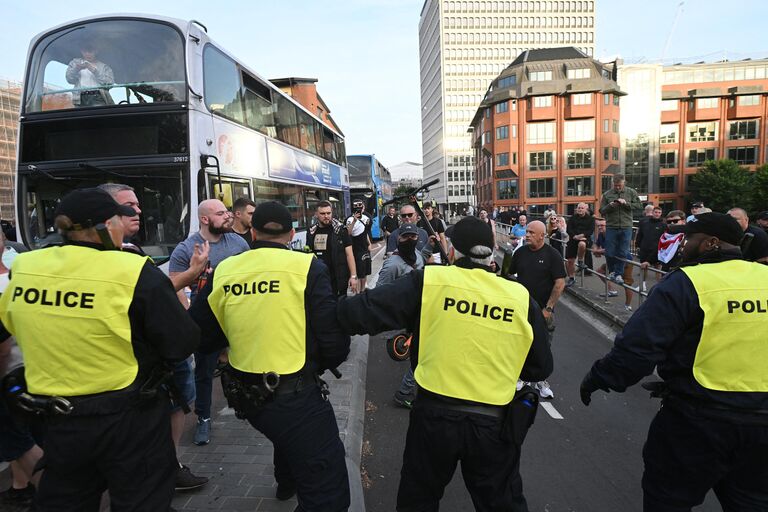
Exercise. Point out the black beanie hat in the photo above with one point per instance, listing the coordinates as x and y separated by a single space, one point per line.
469 232
272 212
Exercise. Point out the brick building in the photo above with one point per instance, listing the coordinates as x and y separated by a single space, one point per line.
304 90
547 132
10 94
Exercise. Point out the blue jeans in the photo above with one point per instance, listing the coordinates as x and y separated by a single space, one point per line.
205 364
408 384
617 246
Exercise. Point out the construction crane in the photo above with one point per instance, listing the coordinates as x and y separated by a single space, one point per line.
672 30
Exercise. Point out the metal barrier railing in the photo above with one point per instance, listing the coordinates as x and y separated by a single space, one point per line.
503 235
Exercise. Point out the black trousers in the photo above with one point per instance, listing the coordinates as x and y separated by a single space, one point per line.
686 456
129 453
308 450
437 439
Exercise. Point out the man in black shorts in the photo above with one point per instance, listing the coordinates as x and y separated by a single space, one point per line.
359 228
581 227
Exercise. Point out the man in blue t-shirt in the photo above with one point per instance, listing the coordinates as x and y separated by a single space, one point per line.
216 233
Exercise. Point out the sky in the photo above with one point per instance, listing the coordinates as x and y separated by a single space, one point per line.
365 53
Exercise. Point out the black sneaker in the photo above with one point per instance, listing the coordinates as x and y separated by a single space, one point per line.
285 491
403 400
186 481
19 497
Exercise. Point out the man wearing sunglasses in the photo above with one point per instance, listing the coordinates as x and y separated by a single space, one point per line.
408 215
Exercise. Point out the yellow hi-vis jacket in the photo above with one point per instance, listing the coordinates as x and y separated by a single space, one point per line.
258 300
474 335
68 309
733 350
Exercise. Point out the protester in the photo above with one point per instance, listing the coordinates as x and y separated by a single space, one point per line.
757 250
389 222
215 229
408 215
580 229
670 244
359 228
762 220
331 243
696 208
518 230
539 267
649 232
617 205
438 239
242 209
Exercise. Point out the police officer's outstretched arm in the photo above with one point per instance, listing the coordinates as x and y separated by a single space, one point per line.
393 306
212 338
670 310
161 316
332 342
538 365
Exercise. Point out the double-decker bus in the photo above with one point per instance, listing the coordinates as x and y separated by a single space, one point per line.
370 182
154 103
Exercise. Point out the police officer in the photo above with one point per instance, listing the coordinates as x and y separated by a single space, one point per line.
475 334
275 310
94 324
703 328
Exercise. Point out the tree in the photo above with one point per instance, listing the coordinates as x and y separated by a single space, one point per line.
722 185
760 190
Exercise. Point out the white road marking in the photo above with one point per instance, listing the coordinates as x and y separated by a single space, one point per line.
551 410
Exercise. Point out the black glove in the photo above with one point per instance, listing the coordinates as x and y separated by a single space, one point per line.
588 386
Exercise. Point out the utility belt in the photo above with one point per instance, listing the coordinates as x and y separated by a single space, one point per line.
695 406
248 393
17 396
517 416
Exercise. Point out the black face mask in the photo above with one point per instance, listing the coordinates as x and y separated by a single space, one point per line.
407 250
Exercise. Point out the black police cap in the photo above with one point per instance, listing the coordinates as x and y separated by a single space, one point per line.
469 232
721 225
272 212
87 207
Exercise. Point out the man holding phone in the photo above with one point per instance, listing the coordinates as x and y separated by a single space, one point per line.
359 227
617 206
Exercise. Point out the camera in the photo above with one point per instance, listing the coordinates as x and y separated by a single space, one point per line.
357 209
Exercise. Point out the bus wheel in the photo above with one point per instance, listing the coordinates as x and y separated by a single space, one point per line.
399 347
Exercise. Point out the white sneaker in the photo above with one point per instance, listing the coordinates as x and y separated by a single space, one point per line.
544 390
520 384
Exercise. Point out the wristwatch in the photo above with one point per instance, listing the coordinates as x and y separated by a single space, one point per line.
550 309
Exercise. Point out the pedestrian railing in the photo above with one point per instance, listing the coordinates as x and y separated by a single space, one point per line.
505 241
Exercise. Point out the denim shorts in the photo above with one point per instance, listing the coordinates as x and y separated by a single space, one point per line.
184 378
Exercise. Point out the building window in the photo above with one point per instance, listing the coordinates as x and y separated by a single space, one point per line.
502 107
668 133
540 133
581 99
697 157
746 155
544 187
578 158
606 99
579 131
702 132
615 126
689 182
541 161
738 130
667 105
486 137
514 131
707 102
616 99
514 104
614 153
751 100
502 159
506 189
578 186
514 158
507 81
502 132
540 76
667 184
606 125
668 159
542 101
577 73
606 153
606 182
487 113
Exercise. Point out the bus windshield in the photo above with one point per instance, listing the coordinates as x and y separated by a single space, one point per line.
104 63
162 192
